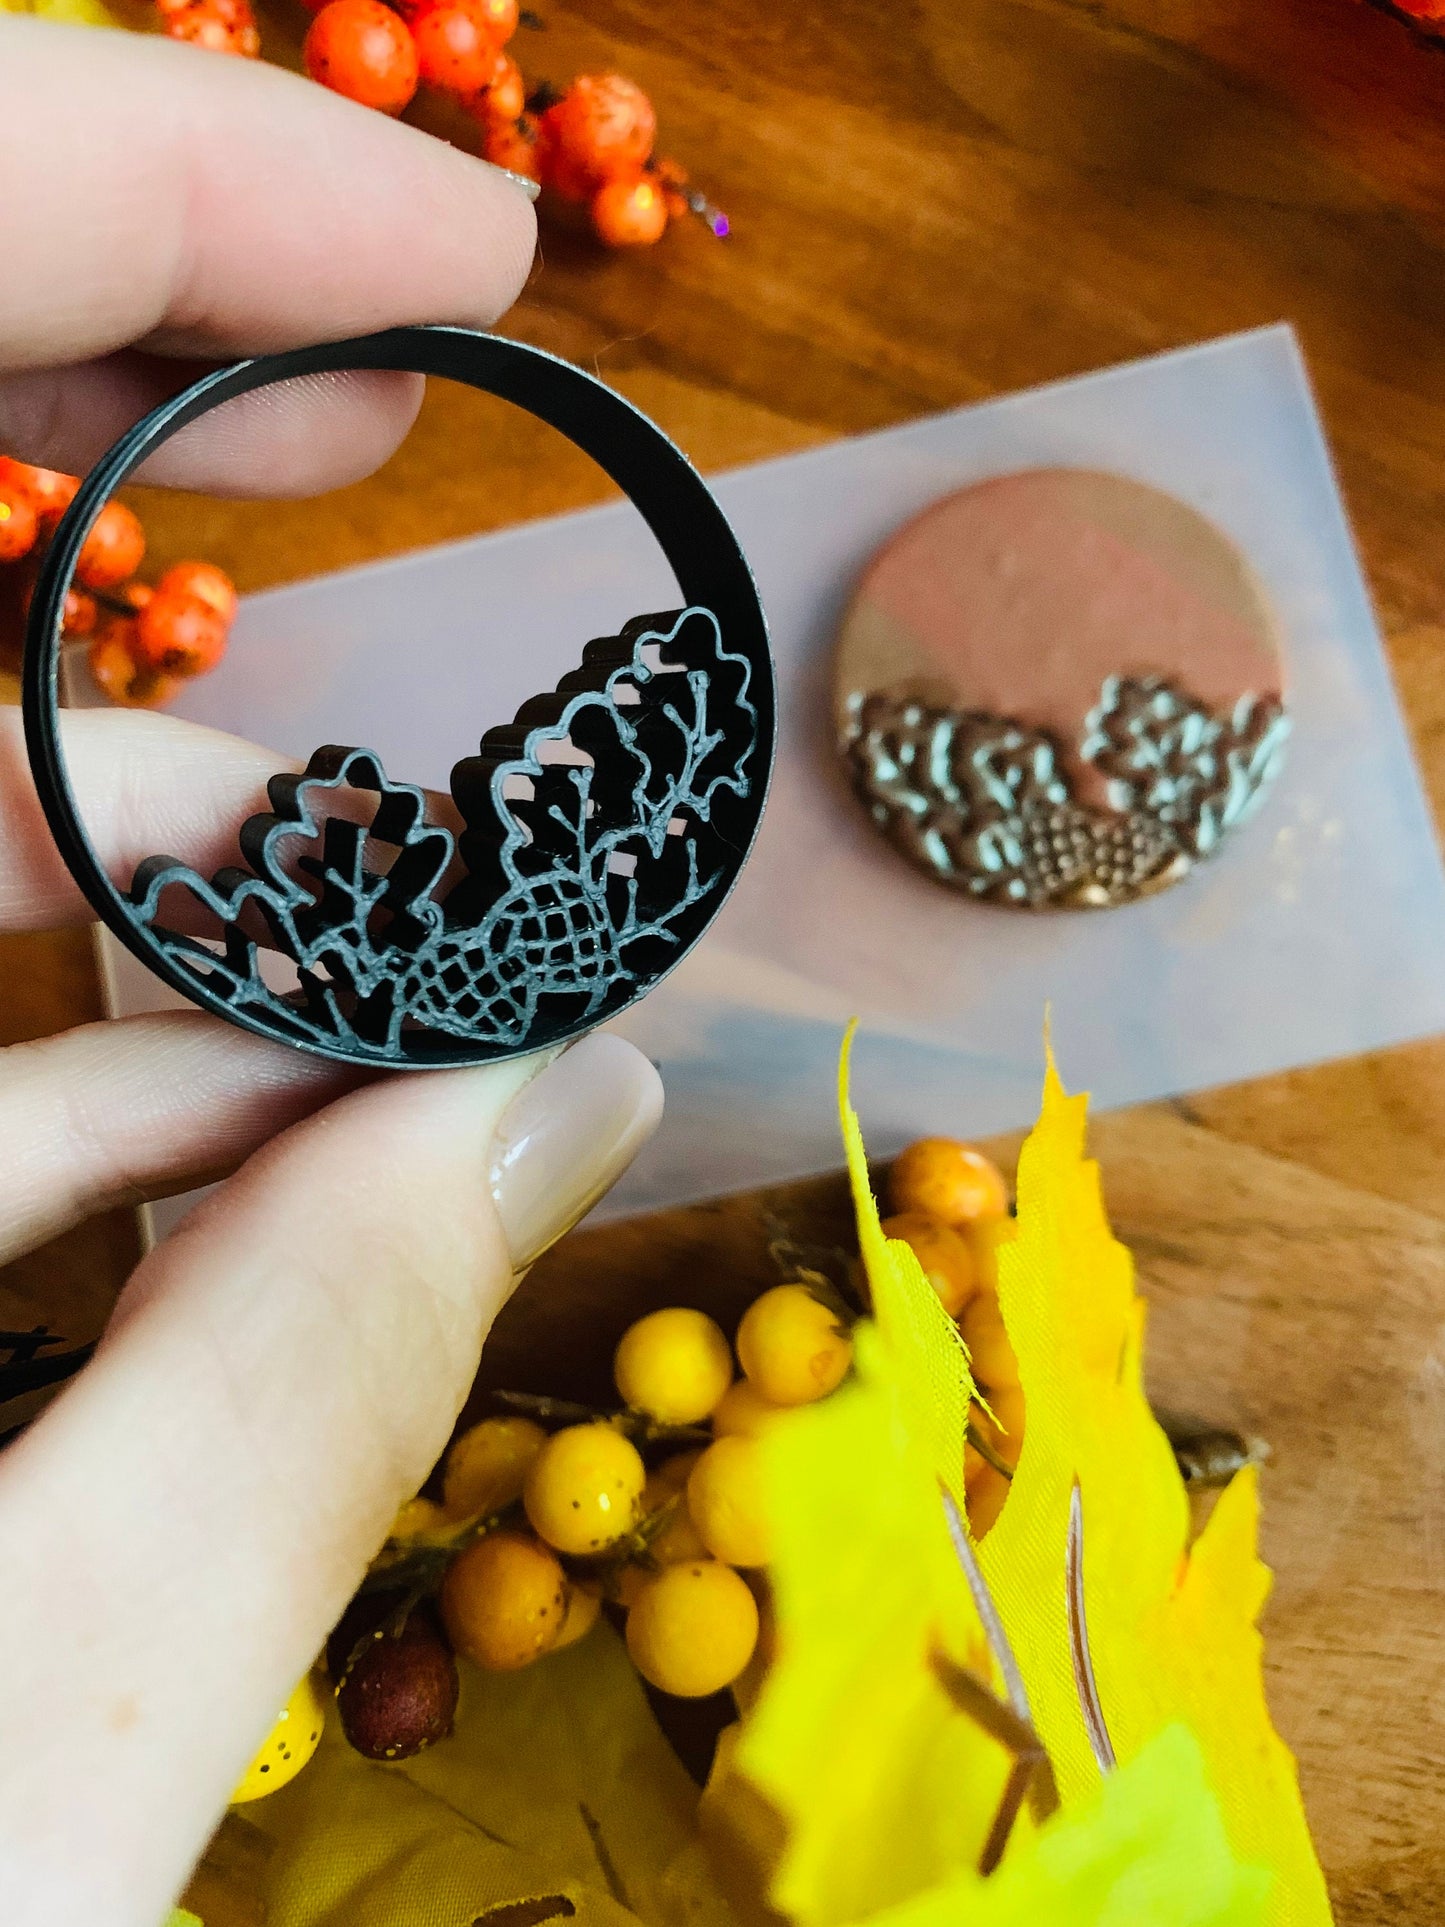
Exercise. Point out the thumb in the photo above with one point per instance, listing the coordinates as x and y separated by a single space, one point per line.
182 1528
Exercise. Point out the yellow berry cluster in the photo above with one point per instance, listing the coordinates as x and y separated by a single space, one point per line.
949 1202
535 1530
573 1518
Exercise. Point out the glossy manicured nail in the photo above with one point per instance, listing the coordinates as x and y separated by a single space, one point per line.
566 1138
528 186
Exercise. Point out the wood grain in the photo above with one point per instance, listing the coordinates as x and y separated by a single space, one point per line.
933 204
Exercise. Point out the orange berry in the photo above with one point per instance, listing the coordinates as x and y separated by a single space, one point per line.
205 580
179 634
80 613
19 524
556 170
630 213
510 144
503 97
947 1261
988 1342
363 50
603 124
501 17
949 1181
113 550
47 488
116 671
220 26
672 179
455 49
504 1601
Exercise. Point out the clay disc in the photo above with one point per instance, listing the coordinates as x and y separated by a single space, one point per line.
1059 688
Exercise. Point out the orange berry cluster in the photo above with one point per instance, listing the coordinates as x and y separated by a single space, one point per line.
594 146
949 1203
143 641
221 26
1430 12
591 145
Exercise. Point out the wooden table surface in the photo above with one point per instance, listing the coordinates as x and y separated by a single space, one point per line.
933 204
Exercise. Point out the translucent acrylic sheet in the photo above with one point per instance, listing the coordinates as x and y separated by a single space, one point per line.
1319 932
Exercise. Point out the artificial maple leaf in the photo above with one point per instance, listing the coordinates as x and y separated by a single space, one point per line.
1159 1631
884 1788
883 1791
926 1362
1147 1849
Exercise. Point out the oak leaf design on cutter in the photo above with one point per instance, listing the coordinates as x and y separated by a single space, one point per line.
596 842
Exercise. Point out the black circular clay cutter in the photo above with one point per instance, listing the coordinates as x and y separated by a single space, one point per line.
602 829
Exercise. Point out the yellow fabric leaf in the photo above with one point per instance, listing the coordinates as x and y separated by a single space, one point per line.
557 1782
927 1363
1146 1849
883 1789
84 13
1171 1630
883 1786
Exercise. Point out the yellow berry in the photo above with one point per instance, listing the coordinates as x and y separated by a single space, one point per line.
989 1347
626 1585
1006 1437
949 1181
673 1365
487 1466
985 1491
985 1487
288 1746
676 1539
666 1479
947 1261
584 1488
725 1497
693 1629
744 1412
418 1519
504 1601
583 1610
792 1347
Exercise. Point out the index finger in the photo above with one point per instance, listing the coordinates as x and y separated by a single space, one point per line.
210 206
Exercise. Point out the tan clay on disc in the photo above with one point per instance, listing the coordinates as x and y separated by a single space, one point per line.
1059 688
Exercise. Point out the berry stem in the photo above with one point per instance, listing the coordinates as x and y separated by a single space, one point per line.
632 1425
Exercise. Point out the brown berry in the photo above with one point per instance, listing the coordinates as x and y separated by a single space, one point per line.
398 1696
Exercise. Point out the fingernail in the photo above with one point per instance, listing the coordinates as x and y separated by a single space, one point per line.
566 1138
528 186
